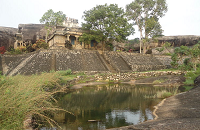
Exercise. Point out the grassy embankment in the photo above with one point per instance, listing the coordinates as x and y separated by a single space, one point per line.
29 95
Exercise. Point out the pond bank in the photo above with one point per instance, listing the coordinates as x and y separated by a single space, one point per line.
179 112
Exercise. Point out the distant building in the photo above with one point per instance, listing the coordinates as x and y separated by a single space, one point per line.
66 36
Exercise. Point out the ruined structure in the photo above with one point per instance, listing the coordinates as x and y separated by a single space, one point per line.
29 34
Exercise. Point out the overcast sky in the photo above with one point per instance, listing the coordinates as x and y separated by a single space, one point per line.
182 18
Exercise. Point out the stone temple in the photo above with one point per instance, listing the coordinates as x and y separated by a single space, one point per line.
65 36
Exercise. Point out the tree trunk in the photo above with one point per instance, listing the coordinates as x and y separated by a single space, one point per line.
140 40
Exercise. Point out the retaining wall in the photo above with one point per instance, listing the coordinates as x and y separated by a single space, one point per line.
78 60
134 62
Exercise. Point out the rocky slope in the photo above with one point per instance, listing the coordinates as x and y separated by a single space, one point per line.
7 36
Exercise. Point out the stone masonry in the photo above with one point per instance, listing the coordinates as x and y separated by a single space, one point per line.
79 61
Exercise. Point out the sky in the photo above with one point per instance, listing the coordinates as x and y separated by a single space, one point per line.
182 18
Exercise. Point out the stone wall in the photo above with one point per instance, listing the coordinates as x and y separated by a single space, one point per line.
47 60
117 61
124 61
80 60
165 60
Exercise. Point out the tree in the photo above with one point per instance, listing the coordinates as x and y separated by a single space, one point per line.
52 19
105 23
145 14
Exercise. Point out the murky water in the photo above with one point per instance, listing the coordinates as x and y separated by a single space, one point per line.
108 106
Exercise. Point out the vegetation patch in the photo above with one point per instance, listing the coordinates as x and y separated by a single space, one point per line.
27 95
191 76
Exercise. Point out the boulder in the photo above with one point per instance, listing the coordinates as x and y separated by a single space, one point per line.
197 81
7 36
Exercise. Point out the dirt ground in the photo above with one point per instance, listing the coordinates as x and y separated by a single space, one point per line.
179 112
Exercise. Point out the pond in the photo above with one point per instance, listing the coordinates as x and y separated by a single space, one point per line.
108 106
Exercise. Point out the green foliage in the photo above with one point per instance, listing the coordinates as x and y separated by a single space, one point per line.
160 49
166 46
17 50
105 23
51 18
40 44
191 62
191 76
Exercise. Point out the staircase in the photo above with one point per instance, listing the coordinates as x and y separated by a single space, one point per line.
21 65
106 63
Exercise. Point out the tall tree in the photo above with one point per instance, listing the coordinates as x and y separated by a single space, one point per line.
145 14
52 19
106 23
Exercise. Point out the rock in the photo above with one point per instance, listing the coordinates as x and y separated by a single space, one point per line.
7 35
197 81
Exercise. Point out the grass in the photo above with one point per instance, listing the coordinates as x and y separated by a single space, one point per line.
191 76
22 96
164 94
27 95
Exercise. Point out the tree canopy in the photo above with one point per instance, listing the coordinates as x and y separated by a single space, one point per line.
106 23
145 14
51 18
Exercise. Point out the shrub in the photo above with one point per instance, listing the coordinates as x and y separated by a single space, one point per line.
40 44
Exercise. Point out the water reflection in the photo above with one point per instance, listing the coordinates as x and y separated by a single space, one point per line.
108 106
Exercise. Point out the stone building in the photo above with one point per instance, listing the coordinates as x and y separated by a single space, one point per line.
66 36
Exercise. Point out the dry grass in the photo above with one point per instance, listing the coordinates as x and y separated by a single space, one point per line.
27 95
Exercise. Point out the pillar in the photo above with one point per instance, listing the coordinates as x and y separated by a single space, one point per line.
77 42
